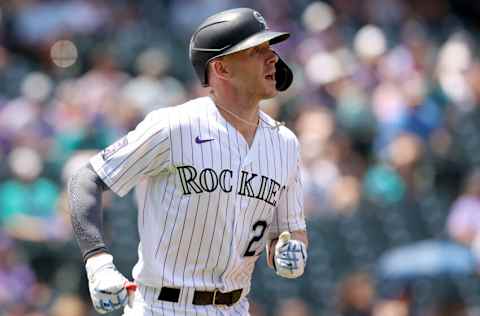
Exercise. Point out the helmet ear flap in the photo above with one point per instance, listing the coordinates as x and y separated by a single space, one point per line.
283 75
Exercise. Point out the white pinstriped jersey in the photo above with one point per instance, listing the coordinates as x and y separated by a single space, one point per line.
208 202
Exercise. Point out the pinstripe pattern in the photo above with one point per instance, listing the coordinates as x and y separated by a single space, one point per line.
217 210
233 245
185 147
202 226
206 209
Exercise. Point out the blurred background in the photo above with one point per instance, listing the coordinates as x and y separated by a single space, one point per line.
385 102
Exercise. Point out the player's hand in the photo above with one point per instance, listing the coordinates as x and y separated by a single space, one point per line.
109 289
290 257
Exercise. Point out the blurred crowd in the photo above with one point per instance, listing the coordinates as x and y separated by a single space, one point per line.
385 103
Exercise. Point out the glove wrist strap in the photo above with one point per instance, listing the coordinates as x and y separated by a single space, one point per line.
97 262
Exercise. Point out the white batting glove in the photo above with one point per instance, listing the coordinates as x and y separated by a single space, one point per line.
109 289
290 256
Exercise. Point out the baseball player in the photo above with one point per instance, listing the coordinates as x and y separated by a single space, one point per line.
217 181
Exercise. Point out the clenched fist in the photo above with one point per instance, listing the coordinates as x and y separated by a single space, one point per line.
109 289
290 257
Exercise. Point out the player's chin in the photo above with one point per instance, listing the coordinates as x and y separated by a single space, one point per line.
270 91
270 94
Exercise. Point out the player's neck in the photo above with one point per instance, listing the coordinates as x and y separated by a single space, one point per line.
241 114
242 106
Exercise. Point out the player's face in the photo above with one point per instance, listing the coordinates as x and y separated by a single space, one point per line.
253 71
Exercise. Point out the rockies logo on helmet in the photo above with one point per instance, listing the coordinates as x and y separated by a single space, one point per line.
260 19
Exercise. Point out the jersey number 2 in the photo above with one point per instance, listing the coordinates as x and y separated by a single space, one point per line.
263 225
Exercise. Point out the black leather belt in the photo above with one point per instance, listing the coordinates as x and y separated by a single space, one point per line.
216 297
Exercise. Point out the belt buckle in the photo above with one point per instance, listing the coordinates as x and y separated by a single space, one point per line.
215 297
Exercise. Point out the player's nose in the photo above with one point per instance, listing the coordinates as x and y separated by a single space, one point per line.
272 57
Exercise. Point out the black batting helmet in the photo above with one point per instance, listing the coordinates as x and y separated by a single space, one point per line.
231 31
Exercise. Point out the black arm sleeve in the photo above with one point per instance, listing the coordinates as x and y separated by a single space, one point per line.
85 200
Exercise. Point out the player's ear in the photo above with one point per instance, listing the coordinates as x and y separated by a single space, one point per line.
220 69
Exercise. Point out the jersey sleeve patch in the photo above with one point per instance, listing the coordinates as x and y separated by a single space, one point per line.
113 148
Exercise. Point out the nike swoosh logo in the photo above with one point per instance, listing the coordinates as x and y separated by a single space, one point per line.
198 140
